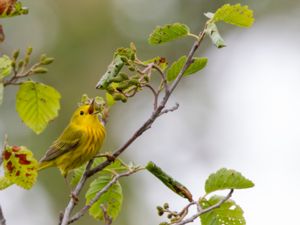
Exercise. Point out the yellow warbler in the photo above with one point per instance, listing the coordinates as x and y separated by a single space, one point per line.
80 141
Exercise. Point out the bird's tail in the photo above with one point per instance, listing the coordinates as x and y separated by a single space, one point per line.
44 165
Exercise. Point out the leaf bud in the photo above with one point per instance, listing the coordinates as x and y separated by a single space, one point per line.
131 68
118 97
47 61
29 51
40 70
166 205
20 64
170 216
124 76
16 54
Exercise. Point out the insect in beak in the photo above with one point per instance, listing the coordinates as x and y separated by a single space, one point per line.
92 107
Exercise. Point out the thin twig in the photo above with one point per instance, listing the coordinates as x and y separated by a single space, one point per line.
101 192
76 192
195 216
107 219
2 219
155 95
175 107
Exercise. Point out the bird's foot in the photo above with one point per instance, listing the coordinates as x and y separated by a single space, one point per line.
74 197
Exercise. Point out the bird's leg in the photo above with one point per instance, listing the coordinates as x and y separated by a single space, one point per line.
108 155
72 195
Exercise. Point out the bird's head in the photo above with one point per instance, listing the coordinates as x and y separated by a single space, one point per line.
86 115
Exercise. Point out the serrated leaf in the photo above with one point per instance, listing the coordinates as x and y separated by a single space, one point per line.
1 92
226 179
175 68
228 213
234 14
20 167
171 183
168 32
5 66
112 199
37 104
213 33
112 71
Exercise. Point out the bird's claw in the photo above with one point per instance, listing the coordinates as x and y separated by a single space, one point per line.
74 197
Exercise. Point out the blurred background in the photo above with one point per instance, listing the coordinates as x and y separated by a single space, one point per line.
241 112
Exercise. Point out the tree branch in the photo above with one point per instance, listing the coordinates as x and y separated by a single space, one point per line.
203 211
79 214
147 124
2 219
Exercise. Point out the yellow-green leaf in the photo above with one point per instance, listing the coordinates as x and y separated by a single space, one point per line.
226 179
37 104
5 183
20 167
168 33
228 213
109 99
234 14
112 199
196 65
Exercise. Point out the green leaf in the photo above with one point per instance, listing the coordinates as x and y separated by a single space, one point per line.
196 65
228 213
20 167
234 14
226 179
37 104
5 66
112 71
109 99
112 199
171 183
159 61
168 33
1 92
15 10
213 33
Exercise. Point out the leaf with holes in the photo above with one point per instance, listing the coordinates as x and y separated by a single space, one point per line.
20 166
196 65
37 104
168 33
228 213
213 33
226 179
112 199
234 14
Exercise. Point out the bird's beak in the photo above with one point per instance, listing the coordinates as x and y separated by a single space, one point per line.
92 107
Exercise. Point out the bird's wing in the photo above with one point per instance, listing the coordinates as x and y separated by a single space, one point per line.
67 141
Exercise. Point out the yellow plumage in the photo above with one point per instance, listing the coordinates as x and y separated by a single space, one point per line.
80 141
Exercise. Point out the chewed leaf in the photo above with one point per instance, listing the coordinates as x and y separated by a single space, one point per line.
213 33
168 33
228 213
234 14
171 183
37 104
112 199
226 179
20 167
5 66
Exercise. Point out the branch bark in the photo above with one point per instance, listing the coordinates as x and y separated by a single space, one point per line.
2 219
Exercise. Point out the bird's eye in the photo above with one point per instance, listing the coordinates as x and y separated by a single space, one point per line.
81 113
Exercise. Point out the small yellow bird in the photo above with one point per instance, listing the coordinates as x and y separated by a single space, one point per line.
80 141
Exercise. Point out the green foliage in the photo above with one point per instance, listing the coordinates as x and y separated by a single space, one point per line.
112 199
168 33
226 179
161 62
20 167
16 9
109 99
171 183
37 104
234 14
196 65
229 213
213 33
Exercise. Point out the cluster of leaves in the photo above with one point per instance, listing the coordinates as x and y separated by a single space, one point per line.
10 8
112 199
36 102
227 213
20 167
